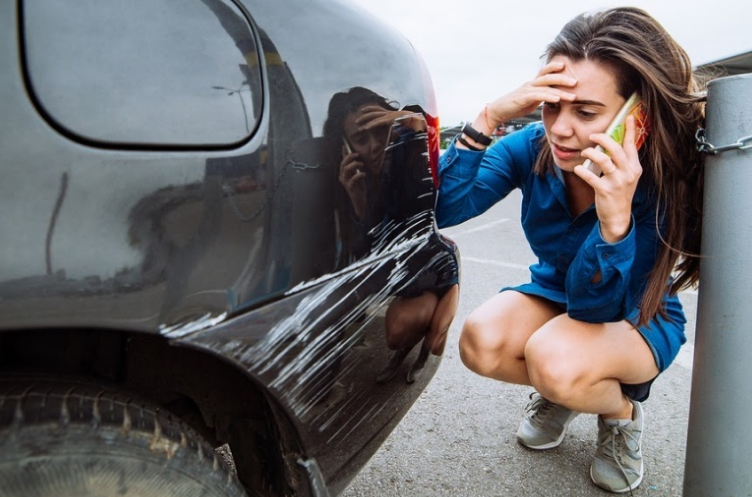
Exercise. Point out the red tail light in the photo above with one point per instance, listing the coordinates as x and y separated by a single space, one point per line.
432 120
434 139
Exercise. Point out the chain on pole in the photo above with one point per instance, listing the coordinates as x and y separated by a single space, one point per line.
703 145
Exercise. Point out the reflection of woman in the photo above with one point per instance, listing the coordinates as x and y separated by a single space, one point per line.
600 318
375 185
360 152
362 158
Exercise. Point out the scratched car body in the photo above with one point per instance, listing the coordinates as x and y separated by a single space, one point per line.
181 241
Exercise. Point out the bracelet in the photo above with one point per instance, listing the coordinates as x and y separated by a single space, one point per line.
476 135
465 143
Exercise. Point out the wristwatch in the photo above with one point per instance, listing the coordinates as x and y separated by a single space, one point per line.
467 144
476 135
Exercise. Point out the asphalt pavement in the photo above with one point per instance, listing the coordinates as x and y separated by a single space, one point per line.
459 438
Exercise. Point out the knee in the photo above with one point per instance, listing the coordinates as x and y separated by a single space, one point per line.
482 346
402 334
406 323
554 369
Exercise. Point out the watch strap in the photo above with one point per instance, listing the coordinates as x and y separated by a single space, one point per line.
476 135
467 144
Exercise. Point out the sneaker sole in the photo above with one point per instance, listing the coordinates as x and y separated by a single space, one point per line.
556 442
624 490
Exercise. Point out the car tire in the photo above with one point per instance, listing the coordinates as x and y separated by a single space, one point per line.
66 439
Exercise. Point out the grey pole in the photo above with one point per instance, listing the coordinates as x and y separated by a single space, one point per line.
719 441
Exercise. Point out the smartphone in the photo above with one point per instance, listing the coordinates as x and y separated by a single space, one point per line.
616 130
348 148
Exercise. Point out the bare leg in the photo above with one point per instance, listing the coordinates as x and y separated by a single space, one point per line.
581 365
441 320
494 336
527 340
407 320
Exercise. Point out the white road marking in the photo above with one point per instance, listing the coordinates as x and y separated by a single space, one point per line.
482 227
494 263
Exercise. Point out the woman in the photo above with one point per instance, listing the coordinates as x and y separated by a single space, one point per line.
359 155
600 318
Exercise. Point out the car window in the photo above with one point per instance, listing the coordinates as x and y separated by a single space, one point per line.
173 73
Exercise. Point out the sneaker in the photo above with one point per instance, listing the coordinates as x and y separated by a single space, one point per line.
544 424
391 368
618 466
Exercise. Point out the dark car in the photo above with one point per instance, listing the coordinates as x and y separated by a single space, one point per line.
220 272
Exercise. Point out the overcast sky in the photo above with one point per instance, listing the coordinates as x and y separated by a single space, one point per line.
478 50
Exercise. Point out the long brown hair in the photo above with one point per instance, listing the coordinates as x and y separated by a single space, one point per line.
645 59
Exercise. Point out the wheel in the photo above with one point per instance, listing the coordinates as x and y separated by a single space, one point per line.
69 439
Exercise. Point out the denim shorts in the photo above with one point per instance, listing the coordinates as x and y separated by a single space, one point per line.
664 336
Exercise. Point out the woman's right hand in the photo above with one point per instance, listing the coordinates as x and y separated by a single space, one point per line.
546 87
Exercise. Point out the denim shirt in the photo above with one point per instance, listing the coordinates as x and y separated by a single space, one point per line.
570 250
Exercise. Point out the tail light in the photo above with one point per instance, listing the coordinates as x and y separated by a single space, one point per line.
434 139
432 121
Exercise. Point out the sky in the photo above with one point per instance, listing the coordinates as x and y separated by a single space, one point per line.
479 50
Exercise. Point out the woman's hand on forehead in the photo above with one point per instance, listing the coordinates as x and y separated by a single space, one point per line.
551 85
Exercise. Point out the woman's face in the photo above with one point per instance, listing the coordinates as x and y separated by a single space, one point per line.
368 144
569 124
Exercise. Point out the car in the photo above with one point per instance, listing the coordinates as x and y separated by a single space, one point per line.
220 270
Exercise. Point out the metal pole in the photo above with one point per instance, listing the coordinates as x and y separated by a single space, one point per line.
719 441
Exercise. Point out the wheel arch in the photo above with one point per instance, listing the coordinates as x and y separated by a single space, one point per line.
222 403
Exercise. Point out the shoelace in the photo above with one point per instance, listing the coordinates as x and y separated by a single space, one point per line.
611 441
539 409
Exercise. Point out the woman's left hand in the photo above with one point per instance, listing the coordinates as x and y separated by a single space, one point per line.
615 188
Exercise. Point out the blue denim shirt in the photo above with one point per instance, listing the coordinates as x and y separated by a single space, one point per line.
570 249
